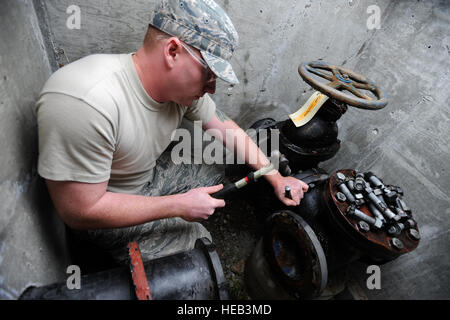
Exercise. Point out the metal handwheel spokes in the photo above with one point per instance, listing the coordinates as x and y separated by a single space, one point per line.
341 79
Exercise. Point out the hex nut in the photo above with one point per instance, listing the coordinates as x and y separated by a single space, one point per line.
397 243
392 230
411 223
414 234
363 226
341 197
340 176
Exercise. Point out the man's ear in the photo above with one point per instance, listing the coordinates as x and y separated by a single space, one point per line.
172 50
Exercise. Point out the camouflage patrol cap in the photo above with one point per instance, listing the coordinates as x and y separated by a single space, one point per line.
203 25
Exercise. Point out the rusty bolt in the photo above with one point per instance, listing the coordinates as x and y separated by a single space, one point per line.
414 234
341 197
397 243
363 226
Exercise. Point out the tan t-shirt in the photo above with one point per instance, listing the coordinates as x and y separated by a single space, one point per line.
97 123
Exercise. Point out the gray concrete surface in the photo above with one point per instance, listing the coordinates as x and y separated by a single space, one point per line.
31 238
407 143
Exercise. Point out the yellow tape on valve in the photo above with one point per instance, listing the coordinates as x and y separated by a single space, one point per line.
309 109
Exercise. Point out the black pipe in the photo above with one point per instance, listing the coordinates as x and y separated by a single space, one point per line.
192 275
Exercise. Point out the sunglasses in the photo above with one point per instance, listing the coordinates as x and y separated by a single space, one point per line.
210 76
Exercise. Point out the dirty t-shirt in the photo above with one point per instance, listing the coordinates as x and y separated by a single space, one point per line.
97 123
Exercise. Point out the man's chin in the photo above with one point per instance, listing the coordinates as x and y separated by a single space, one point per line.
191 101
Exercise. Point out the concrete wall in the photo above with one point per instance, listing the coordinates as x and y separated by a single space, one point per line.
31 237
406 143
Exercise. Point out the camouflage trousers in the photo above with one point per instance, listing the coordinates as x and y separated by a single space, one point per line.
165 236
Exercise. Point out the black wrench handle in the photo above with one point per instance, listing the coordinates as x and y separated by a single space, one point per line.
227 190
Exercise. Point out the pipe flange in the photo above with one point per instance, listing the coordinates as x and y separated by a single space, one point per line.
295 255
209 250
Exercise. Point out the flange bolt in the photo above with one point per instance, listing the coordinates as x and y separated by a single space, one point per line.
363 226
341 197
414 234
397 243
340 176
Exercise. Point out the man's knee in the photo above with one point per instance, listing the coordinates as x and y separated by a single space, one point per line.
170 237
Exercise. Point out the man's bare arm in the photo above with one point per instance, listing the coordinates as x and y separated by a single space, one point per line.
90 206
234 137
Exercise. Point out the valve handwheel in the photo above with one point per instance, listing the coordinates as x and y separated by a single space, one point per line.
343 79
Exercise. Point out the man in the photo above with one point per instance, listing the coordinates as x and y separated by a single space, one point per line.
105 120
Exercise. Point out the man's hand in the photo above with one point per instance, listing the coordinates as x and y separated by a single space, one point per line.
298 188
236 139
198 204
